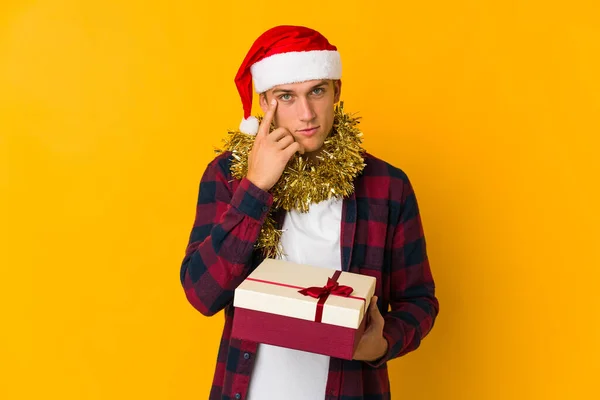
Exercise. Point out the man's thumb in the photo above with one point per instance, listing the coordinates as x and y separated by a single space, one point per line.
373 305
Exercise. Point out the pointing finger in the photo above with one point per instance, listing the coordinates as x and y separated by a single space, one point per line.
265 124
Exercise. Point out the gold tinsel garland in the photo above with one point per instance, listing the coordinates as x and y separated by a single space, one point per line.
304 182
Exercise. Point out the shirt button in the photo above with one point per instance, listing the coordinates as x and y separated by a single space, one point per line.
246 356
265 208
238 396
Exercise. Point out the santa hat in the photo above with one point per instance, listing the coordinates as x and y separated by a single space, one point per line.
283 55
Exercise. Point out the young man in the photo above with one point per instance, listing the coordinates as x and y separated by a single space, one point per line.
347 210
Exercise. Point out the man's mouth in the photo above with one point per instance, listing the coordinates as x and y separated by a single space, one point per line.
309 131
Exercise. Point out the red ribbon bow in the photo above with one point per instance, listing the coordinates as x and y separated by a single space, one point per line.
332 287
322 293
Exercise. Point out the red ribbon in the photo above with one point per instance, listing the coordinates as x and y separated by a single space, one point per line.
322 293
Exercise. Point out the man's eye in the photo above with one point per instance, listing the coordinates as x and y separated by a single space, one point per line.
285 97
318 91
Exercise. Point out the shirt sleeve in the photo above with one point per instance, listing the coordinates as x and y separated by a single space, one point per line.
413 304
226 227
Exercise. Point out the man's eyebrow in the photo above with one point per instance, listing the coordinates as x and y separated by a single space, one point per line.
322 83
283 91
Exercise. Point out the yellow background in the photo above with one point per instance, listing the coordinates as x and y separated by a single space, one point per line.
109 111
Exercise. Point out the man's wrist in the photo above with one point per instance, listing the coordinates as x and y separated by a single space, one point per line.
383 348
256 183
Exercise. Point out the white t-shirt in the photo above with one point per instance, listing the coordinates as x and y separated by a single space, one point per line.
311 238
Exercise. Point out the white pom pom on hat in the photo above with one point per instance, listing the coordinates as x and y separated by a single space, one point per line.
282 55
249 125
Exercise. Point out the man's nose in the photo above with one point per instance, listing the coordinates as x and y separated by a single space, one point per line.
305 112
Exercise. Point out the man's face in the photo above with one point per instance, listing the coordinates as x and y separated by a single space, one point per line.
305 109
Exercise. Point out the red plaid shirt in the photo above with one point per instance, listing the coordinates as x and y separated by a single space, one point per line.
381 236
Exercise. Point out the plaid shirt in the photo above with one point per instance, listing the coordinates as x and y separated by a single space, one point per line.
381 236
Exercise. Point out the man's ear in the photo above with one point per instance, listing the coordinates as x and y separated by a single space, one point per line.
337 90
262 100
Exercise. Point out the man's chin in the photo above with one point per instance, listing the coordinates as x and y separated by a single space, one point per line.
312 149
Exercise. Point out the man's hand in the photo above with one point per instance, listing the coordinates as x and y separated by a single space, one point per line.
270 152
372 345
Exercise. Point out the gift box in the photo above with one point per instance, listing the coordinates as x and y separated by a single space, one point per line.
303 307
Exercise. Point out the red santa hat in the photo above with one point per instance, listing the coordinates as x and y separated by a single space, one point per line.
283 55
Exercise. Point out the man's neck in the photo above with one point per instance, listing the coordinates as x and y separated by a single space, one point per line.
312 157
